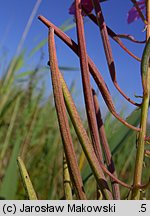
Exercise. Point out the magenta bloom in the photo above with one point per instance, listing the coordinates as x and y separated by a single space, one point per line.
87 4
133 13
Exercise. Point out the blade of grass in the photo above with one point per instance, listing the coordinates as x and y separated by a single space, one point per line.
28 26
64 27
8 78
8 102
8 187
29 133
38 47
24 35
9 132
26 180
67 25
121 134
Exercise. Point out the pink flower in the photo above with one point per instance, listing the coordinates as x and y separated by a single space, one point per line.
133 13
87 4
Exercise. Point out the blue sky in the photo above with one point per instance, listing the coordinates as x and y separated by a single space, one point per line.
14 16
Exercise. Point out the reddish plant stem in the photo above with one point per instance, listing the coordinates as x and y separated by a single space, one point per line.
107 48
63 120
86 82
105 147
93 70
147 138
147 152
131 38
114 177
115 37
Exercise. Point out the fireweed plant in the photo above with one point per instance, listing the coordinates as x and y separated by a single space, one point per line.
96 147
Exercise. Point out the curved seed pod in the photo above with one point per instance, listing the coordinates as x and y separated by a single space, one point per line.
93 70
88 98
107 48
63 120
116 38
84 139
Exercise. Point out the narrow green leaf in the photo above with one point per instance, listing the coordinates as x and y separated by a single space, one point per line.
38 47
24 74
14 66
64 27
7 102
122 133
67 25
63 68
9 184
26 180
10 129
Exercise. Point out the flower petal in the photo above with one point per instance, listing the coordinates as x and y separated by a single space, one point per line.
133 13
87 4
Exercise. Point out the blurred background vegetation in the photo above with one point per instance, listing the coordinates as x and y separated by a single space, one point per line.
29 127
